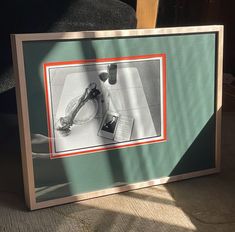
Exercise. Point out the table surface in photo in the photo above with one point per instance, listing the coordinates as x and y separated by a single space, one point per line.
126 97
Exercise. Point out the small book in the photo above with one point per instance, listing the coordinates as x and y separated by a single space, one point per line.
116 127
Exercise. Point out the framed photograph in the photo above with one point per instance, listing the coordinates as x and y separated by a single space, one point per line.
79 94
110 111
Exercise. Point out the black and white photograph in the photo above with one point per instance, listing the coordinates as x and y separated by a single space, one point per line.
102 104
110 123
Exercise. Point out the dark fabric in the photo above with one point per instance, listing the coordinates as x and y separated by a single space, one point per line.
32 16
8 102
96 15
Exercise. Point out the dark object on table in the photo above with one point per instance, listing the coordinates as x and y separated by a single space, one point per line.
112 71
103 76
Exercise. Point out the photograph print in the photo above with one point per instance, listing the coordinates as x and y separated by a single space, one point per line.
111 103
110 122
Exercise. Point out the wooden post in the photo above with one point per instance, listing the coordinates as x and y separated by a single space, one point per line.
146 13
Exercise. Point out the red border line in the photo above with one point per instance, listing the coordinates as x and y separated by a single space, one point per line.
57 63
47 108
51 64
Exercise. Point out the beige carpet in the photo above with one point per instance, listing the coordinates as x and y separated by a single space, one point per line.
202 204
